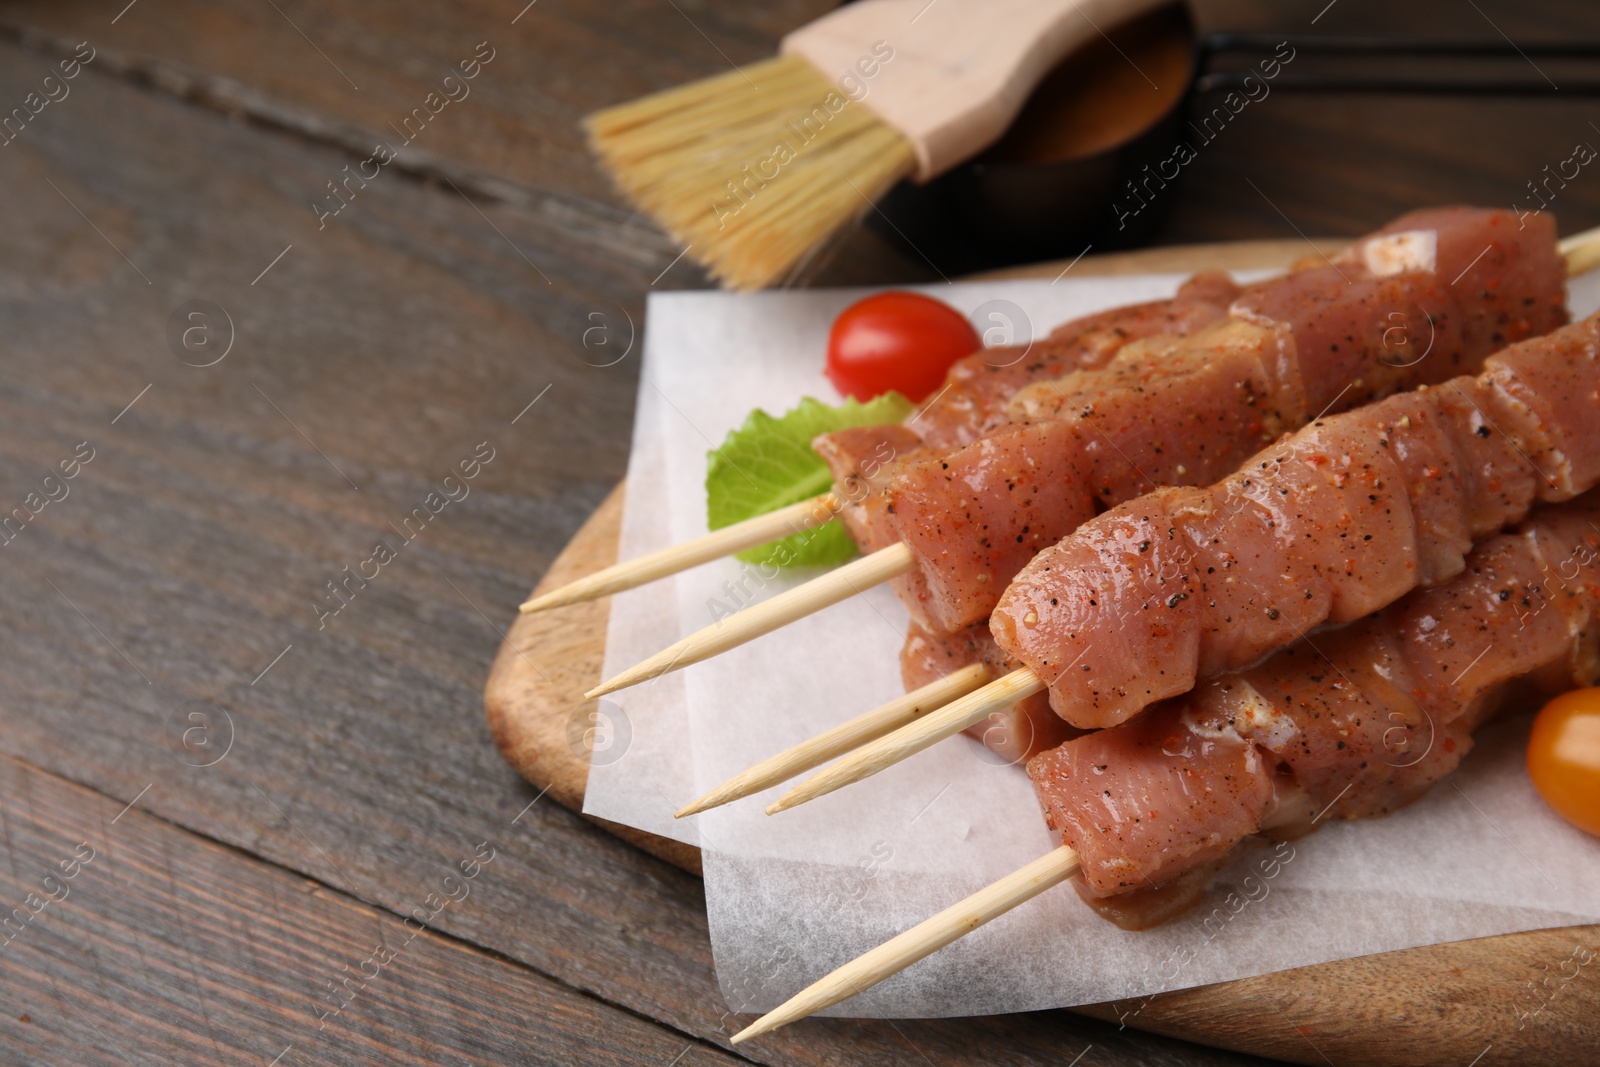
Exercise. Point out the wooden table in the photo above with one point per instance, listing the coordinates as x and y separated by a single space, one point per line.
289 835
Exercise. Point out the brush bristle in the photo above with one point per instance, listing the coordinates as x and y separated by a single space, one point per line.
752 169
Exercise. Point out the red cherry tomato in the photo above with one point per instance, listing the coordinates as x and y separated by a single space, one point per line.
896 340
1564 757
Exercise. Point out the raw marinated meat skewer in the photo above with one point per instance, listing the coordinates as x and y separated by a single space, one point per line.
1304 737
1309 342
1187 583
1331 524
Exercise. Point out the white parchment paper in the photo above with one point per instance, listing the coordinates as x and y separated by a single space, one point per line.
794 895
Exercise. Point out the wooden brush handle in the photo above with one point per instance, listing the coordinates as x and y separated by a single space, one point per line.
960 70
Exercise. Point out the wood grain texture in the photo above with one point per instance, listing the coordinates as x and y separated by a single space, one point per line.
547 660
349 70
1483 1001
188 571
349 74
132 941
1471 1001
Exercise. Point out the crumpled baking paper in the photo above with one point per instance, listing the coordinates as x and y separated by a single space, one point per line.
792 896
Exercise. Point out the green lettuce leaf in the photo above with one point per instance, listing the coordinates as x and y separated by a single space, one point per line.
768 463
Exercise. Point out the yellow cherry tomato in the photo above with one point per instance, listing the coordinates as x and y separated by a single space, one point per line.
1564 757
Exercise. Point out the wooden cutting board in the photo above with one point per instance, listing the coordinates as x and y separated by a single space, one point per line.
1519 998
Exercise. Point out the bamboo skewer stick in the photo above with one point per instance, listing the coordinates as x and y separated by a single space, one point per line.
914 737
924 939
1581 251
843 738
806 515
954 922
766 616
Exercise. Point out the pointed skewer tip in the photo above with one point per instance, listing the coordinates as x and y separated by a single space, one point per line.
921 941
630 574
556 598
842 739
908 740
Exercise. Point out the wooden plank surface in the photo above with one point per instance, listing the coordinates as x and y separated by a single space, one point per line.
348 74
534 695
384 348
352 69
183 573
132 941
